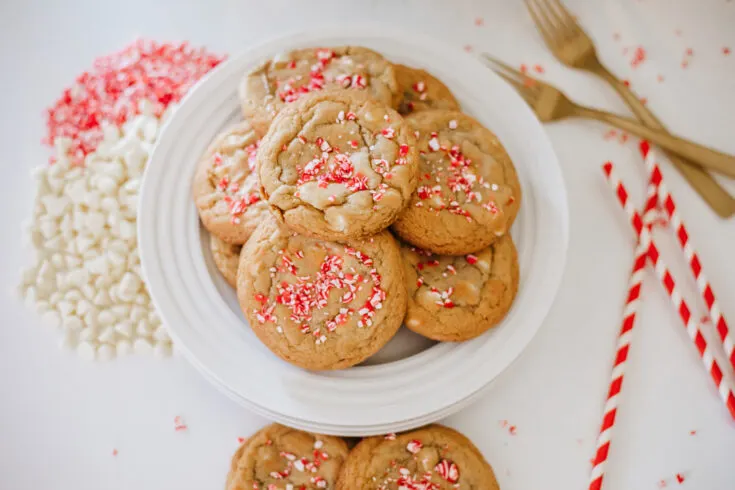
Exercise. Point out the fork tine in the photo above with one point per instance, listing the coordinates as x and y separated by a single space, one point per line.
519 79
553 18
566 17
541 25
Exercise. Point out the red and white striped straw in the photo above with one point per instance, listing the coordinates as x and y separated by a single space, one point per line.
682 235
599 462
667 280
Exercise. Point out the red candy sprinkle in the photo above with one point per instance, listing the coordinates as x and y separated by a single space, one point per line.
471 259
639 56
680 478
726 50
414 446
110 93
447 470
179 424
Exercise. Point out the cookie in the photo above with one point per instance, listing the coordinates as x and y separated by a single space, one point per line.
225 186
421 91
468 192
319 304
278 457
338 165
276 83
434 457
226 258
455 298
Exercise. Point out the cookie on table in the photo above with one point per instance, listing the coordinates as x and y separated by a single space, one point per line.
225 186
435 457
318 304
468 192
338 165
226 258
278 457
455 298
421 91
276 83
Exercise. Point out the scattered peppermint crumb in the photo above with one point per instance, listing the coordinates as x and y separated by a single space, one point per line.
512 430
639 56
524 68
726 51
179 424
680 478
114 452
241 440
678 32
467 48
692 432
662 484
660 78
626 83
644 100
538 68
479 21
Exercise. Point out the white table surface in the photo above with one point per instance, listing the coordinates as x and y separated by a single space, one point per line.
61 418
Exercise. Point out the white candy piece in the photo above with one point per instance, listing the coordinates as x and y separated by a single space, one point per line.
162 349
87 351
142 346
123 347
105 352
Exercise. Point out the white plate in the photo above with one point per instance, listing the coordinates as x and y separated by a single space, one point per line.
411 381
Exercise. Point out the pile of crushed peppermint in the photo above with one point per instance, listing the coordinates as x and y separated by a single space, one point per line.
85 278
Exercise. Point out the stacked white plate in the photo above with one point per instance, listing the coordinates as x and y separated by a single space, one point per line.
412 381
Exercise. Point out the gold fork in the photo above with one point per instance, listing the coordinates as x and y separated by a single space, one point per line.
573 47
550 104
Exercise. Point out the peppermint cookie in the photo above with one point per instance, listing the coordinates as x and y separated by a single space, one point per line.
468 192
284 79
225 185
281 458
454 298
434 457
226 258
318 304
421 91
338 165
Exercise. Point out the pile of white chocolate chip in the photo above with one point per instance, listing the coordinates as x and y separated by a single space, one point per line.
86 277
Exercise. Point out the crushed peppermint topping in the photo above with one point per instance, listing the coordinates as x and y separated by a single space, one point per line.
447 470
460 177
414 446
236 196
305 295
119 86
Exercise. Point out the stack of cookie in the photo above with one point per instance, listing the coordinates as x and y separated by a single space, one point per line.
337 147
431 458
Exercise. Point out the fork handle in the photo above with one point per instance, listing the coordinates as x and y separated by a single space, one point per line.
706 157
701 181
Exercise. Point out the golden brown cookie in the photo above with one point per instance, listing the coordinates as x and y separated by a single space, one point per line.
226 257
284 79
434 457
468 192
318 304
278 457
225 186
455 298
421 91
338 165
